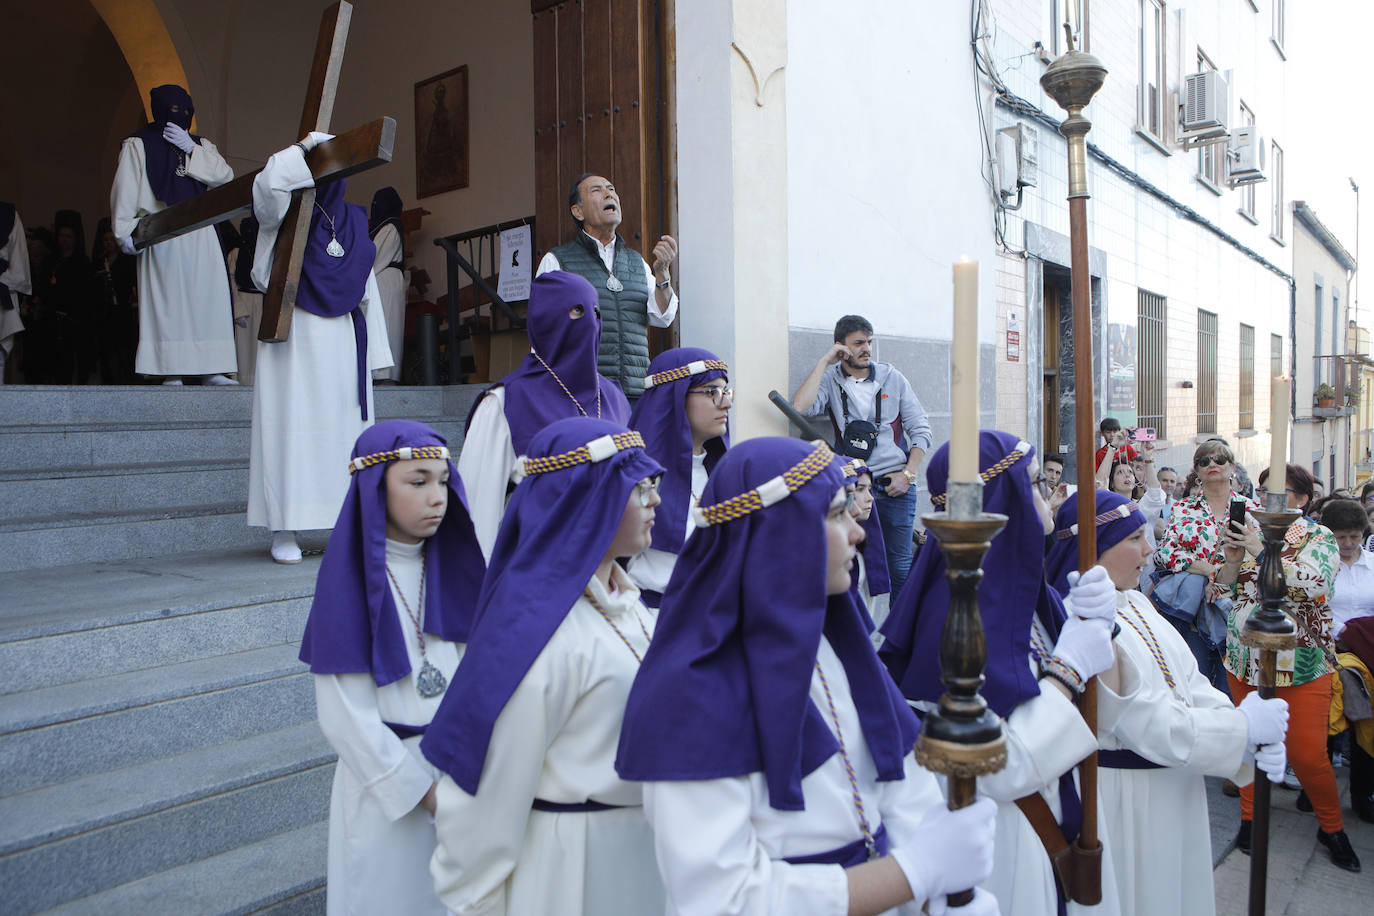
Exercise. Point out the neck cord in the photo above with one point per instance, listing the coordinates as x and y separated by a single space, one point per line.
414 619
869 843
575 401
587 593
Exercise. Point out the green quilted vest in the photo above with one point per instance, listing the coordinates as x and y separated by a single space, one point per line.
624 354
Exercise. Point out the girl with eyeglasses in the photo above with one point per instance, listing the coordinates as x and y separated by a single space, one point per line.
684 417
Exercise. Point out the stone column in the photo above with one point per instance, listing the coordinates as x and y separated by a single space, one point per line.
732 189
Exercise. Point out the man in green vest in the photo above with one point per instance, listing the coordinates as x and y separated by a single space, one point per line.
633 294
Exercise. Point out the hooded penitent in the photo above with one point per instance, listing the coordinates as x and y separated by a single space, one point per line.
353 625
1117 517
162 160
556 531
558 378
660 415
724 688
386 208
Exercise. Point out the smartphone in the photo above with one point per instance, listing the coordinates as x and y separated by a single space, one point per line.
1143 434
1237 514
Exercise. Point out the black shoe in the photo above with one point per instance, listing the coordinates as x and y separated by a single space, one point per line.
1304 803
1338 844
1364 809
1243 837
1230 789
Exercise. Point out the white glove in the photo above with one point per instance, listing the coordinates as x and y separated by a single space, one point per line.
176 135
1086 646
952 850
1272 760
314 139
126 245
1092 595
1266 721
982 904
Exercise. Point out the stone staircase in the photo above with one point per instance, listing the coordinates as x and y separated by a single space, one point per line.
158 746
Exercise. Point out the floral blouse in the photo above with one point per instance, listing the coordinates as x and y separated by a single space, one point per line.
1310 561
1194 533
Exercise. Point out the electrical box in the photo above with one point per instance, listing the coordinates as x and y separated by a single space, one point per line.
1245 156
1018 157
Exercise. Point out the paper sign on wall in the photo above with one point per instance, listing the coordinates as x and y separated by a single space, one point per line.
516 270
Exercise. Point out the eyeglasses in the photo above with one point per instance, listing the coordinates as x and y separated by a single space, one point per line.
648 489
718 395
1209 460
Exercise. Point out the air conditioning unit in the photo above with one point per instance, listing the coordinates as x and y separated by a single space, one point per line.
1245 157
1204 109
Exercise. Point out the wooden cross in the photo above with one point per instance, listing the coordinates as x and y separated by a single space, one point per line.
362 148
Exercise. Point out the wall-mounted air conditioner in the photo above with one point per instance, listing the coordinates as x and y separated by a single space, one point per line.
1245 156
1202 114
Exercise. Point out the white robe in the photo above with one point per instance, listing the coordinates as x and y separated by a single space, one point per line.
14 249
185 320
488 466
1046 737
306 414
247 308
652 568
1158 818
556 740
391 282
720 845
380 840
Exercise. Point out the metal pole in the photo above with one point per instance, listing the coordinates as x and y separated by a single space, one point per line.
1072 80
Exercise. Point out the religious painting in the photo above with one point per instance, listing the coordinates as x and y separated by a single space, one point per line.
441 133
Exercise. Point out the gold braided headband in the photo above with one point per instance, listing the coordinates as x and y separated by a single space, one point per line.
851 467
695 367
599 449
767 493
1122 511
1015 455
405 453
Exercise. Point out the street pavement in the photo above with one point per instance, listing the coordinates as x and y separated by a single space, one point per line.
1302 880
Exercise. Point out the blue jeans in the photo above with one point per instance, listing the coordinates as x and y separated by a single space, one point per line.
897 516
1208 659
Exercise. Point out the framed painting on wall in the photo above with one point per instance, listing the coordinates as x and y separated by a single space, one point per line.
441 133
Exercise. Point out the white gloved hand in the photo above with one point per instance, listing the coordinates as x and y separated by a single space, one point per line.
176 135
1272 760
126 245
1086 646
952 850
982 904
1266 721
1092 595
314 139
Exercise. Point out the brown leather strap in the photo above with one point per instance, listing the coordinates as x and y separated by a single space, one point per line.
1037 812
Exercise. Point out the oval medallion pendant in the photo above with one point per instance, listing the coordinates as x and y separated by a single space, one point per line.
613 284
430 682
335 250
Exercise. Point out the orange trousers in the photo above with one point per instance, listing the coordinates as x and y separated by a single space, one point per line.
1309 711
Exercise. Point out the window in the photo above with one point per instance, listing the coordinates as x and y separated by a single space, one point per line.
1275 356
1210 156
1247 377
1150 103
1247 191
1276 218
1055 11
1280 10
1206 371
1318 376
1150 361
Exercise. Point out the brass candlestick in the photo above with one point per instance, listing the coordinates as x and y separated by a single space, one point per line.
1270 632
962 738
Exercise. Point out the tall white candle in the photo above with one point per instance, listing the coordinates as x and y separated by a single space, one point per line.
1278 425
963 376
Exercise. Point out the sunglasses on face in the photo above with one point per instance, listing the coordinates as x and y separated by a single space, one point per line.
1210 460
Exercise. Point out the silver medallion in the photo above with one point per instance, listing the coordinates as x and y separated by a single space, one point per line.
430 682
613 284
181 169
335 250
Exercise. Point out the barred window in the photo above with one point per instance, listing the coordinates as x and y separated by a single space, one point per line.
1247 377
1206 371
1150 361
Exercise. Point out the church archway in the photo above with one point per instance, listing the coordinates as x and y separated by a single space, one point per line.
142 36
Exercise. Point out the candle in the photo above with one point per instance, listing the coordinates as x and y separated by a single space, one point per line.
1278 426
963 376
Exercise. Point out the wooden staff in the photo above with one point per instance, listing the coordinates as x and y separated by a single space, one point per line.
1072 80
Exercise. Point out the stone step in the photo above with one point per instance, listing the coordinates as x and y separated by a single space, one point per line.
282 875
112 828
33 495
55 734
61 540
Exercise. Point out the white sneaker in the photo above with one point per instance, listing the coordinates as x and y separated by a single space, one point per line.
285 550
171 381
218 380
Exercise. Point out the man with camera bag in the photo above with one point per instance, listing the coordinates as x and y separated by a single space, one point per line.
877 417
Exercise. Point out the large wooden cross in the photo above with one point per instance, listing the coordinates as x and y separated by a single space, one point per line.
354 151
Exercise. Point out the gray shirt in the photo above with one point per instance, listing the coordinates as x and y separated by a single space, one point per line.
903 421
